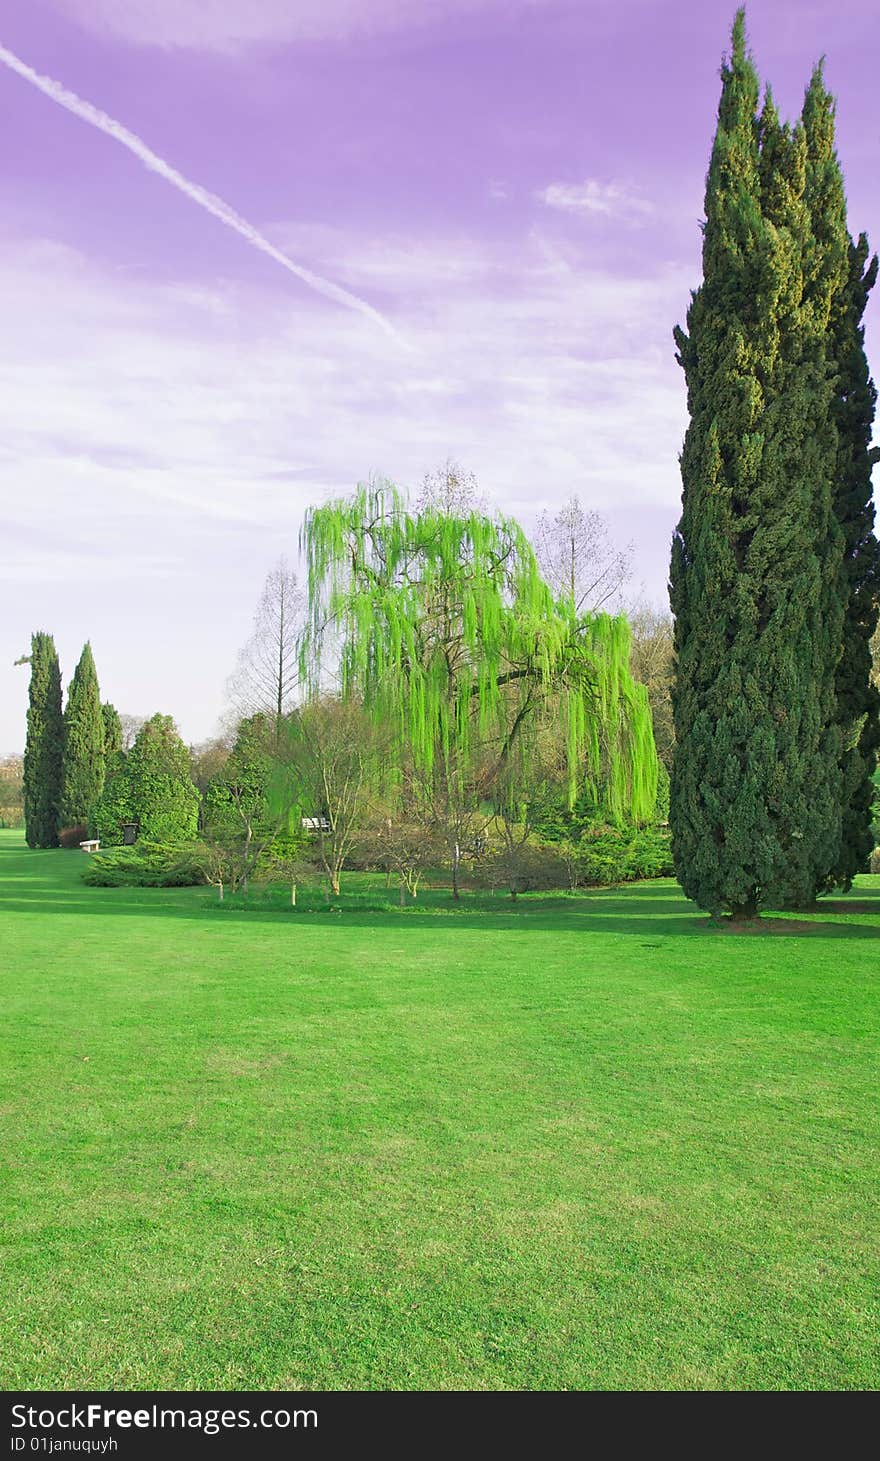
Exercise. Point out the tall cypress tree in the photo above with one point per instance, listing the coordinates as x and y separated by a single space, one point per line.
112 730
754 805
84 763
857 703
802 203
44 745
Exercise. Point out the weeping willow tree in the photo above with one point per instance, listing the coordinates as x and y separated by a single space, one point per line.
446 630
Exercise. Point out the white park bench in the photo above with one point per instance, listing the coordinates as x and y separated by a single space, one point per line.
91 844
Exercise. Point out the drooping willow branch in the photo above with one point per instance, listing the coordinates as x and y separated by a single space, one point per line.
446 629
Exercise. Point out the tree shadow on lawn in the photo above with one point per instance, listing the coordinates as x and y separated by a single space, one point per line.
626 917
861 905
634 909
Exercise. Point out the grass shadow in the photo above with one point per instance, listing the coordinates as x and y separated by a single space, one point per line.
46 882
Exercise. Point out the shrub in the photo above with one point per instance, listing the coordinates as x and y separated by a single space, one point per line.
288 847
114 805
557 822
146 865
623 854
152 786
72 836
661 805
602 856
528 868
11 792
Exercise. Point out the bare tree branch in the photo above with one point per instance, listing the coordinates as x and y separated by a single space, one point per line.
266 675
578 559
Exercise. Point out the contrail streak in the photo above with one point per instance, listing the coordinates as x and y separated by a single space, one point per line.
209 201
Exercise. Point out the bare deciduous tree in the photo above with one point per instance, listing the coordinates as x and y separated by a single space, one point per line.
578 558
652 664
452 490
267 672
131 726
406 844
449 801
519 795
216 865
334 754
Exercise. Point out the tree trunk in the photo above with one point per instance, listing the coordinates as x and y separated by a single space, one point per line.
403 895
745 912
220 886
293 895
334 884
456 860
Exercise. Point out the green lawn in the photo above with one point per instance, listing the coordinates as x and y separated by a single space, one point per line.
583 1142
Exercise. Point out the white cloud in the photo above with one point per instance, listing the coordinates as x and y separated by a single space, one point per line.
159 442
613 199
227 25
393 263
232 405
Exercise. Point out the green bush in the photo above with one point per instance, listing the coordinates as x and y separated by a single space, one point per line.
151 786
661 805
146 865
114 805
623 854
289 848
556 821
601 856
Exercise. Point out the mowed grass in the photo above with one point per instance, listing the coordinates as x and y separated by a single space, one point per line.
579 1143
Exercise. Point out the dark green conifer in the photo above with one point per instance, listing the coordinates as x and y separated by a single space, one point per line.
755 796
857 703
84 762
44 745
161 796
150 786
114 806
810 250
112 730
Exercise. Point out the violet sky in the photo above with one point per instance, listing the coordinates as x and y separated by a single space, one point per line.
514 184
